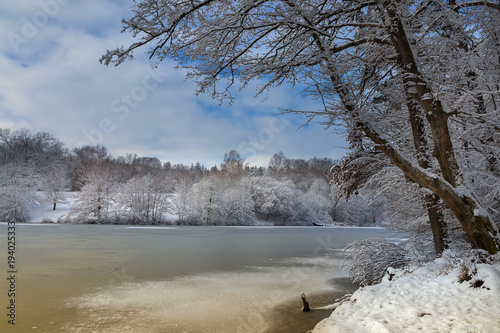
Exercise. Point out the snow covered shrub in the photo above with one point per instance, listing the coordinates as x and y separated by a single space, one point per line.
471 266
367 260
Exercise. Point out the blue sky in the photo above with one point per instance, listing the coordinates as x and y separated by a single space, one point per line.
52 81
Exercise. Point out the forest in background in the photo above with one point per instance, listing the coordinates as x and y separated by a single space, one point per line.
143 190
357 190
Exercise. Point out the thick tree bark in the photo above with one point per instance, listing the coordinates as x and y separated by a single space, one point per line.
477 225
438 225
436 219
432 107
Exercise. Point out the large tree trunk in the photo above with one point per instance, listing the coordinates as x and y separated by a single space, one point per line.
475 222
436 219
432 107
438 225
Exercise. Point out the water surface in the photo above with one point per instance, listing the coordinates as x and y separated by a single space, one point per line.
101 278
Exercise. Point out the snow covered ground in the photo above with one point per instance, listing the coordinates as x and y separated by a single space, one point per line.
43 211
424 299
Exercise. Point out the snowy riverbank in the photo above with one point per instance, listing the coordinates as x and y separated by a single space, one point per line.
430 298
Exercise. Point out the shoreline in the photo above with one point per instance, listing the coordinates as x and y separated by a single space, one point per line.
174 225
287 316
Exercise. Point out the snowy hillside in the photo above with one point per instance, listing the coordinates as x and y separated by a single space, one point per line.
42 209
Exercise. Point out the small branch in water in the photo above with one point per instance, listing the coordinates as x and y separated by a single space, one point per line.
305 303
338 302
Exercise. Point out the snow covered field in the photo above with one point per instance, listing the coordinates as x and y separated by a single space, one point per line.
424 299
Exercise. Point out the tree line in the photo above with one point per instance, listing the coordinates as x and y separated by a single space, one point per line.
144 190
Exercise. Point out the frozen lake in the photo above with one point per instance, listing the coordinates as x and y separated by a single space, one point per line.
100 278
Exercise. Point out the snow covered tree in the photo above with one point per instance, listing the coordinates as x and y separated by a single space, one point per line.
320 201
146 198
180 198
25 158
281 202
272 197
54 181
207 202
94 201
415 77
239 206
17 186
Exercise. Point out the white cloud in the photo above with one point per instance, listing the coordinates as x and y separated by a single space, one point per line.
55 83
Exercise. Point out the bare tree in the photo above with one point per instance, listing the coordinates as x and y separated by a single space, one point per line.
278 165
54 181
145 198
94 201
39 149
17 185
232 166
180 197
